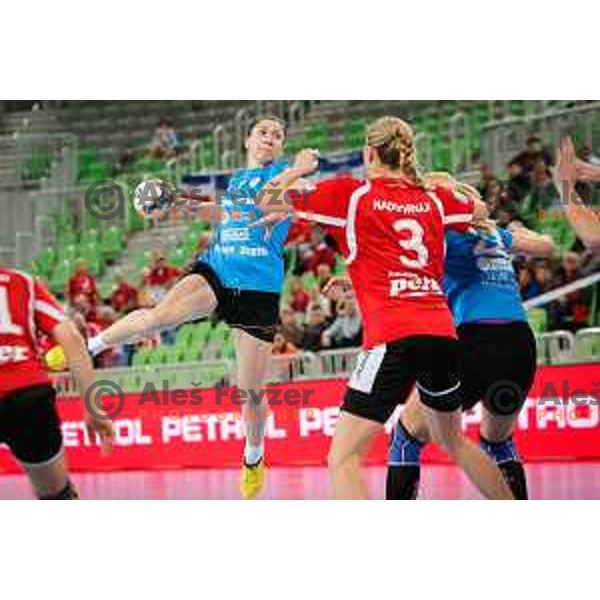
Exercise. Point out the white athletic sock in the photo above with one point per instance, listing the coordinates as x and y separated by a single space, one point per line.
96 345
253 454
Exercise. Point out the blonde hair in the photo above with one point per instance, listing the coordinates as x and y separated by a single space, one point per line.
394 141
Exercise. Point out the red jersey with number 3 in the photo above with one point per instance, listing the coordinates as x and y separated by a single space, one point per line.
392 235
27 309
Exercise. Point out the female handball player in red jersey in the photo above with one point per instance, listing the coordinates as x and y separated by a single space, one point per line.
390 227
29 424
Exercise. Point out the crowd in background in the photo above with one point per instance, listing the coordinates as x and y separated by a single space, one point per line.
528 195
310 321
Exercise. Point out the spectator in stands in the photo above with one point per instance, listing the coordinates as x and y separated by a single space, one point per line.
544 194
572 311
299 296
159 279
282 346
81 305
486 180
282 368
534 152
289 328
124 296
117 355
160 276
313 330
542 275
165 143
82 282
527 284
322 253
346 330
587 155
323 273
519 181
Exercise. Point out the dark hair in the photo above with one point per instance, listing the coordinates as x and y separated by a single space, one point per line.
533 139
258 119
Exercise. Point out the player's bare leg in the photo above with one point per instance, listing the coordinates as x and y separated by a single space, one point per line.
253 356
351 442
189 299
50 480
445 429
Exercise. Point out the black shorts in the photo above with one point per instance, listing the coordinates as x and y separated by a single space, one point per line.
384 377
256 313
498 364
29 424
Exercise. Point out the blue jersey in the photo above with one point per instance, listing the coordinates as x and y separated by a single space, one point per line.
479 280
249 258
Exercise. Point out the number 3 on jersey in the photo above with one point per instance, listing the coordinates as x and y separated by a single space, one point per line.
413 244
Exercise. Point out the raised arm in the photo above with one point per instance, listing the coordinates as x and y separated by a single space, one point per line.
583 220
274 197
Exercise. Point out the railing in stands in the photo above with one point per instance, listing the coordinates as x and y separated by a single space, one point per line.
504 139
558 347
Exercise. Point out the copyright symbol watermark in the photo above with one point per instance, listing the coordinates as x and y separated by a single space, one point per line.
504 398
94 395
105 200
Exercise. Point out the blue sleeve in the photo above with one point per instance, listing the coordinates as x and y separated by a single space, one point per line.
507 238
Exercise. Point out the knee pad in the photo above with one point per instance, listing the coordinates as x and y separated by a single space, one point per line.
501 452
404 449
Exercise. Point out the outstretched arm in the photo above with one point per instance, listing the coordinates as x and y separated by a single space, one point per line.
587 171
532 243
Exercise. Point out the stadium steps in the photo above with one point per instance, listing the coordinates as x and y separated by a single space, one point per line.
163 237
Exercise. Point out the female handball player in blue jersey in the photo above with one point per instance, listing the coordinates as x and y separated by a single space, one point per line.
241 278
497 352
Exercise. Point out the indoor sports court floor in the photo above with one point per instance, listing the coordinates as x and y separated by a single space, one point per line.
552 481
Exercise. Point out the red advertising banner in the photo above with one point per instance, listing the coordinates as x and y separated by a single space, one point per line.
166 429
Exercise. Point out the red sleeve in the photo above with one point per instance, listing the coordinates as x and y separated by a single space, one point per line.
457 208
47 310
326 202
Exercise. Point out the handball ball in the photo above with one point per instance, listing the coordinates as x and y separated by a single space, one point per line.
147 194
55 359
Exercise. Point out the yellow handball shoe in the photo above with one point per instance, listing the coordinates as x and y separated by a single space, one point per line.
252 480
55 359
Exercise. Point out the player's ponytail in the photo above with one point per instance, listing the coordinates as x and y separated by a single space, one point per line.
394 141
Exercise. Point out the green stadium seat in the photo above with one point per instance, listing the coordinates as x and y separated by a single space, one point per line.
192 355
61 274
45 262
112 243
142 357
294 145
538 319
179 257
91 253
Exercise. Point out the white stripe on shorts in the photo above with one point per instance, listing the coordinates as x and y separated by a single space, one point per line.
438 394
367 367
